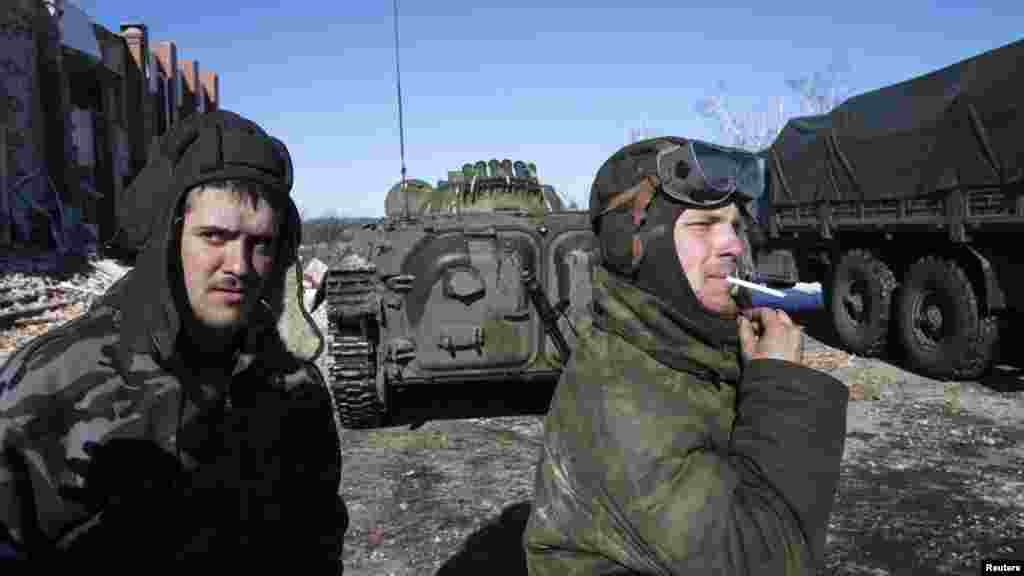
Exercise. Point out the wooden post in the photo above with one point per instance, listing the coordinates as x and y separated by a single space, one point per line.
69 169
189 70
167 60
5 203
106 222
51 129
137 37
211 90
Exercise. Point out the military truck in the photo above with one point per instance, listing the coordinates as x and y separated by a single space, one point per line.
906 203
474 283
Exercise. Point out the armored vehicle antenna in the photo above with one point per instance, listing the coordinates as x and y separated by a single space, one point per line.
401 126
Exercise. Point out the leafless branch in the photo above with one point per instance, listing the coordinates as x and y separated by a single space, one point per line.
819 93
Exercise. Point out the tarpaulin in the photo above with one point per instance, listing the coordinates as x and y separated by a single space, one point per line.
957 126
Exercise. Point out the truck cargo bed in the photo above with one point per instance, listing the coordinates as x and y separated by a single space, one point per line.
990 207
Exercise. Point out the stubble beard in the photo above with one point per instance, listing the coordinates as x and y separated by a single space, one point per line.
215 328
725 305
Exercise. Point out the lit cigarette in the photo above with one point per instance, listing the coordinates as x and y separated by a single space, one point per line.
758 287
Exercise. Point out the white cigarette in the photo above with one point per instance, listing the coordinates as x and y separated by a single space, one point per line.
758 287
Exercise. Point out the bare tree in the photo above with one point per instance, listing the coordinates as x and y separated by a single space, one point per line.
824 90
641 133
819 93
568 201
750 130
303 211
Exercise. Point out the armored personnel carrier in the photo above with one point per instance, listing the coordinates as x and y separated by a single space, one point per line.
470 285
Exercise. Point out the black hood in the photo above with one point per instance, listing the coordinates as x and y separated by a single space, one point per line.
660 274
213 146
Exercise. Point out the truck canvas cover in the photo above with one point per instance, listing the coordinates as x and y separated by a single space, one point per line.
958 126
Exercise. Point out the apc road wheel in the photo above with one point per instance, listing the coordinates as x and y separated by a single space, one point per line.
860 302
939 325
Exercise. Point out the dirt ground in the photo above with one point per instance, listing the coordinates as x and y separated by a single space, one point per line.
930 483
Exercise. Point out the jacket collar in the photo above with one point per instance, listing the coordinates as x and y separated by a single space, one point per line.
648 323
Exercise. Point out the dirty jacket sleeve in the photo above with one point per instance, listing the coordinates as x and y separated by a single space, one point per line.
56 392
646 470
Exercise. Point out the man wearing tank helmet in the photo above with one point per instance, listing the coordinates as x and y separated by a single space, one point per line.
685 436
170 422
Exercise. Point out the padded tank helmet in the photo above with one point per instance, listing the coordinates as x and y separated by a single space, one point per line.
215 145
692 173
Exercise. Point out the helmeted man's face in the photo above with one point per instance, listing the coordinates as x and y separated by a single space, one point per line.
709 246
227 253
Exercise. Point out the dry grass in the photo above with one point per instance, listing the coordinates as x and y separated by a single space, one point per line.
951 398
404 439
827 359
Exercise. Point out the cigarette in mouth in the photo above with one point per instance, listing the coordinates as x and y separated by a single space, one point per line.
758 287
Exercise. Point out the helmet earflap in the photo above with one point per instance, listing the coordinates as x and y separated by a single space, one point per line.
627 212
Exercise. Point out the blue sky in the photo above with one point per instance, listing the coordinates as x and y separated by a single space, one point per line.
560 83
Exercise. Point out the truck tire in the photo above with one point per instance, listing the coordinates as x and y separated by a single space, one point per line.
939 325
859 299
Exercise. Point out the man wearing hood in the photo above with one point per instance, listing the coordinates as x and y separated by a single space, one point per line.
171 420
685 436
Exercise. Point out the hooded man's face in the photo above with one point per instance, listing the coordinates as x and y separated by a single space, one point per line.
709 247
227 252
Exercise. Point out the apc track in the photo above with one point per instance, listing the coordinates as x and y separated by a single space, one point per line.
352 310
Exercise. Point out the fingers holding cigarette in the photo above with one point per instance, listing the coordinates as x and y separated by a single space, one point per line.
770 333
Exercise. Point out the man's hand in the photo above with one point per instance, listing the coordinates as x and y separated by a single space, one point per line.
130 474
770 333
131 490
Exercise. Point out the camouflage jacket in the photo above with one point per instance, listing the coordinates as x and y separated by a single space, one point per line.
250 441
663 456
267 424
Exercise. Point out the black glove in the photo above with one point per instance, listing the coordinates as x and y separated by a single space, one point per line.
132 494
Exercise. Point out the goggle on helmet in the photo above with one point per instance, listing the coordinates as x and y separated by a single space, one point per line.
704 175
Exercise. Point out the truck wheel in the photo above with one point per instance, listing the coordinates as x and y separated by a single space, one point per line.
939 324
859 300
